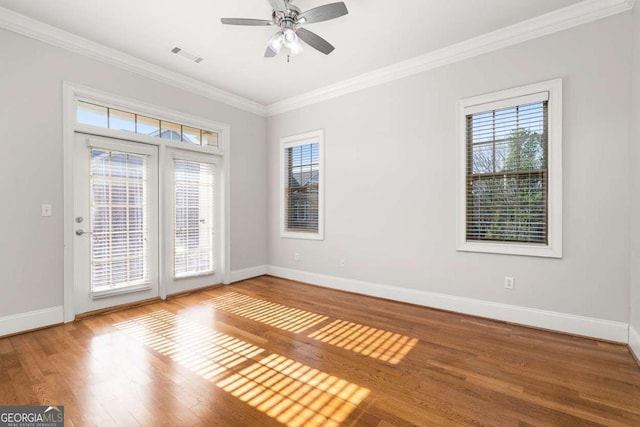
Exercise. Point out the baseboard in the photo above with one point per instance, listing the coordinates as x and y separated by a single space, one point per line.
23 322
248 273
561 322
634 342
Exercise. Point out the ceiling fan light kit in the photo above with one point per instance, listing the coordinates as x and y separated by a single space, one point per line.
289 19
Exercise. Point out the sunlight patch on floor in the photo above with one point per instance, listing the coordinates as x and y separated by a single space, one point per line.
289 391
293 393
276 315
192 345
375 343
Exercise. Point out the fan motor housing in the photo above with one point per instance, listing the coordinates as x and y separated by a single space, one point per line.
288 19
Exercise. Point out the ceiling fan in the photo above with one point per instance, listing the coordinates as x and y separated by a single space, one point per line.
289 20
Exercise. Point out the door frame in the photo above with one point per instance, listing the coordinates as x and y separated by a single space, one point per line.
71 94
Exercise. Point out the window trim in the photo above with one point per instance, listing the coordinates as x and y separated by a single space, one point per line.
316 136
491 101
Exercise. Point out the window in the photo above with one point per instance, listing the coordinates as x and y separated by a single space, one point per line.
105 117
301 188
509 178
193 241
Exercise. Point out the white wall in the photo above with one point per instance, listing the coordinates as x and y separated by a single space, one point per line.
391 179
634 331
31 247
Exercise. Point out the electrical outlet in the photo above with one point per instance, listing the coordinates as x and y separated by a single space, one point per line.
46 210
296 256
509 282
343 262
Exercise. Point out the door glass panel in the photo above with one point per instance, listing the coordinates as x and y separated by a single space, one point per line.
119 247
194 218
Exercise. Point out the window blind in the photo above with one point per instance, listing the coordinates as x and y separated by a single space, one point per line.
118 202
302 178
194 218
506 174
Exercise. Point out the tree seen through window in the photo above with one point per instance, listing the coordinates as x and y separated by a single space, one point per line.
507 174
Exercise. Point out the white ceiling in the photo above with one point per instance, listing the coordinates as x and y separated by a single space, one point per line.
375 34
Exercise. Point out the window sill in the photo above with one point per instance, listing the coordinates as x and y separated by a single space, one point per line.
192 275
545 251
301 236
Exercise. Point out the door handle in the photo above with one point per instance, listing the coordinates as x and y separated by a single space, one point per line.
80 232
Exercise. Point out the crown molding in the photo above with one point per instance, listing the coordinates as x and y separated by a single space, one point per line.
46 33
580 13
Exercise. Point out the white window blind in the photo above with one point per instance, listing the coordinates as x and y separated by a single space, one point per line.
302 178
119 250
507 173
194 218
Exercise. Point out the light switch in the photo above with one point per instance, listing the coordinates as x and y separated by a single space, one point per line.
46 210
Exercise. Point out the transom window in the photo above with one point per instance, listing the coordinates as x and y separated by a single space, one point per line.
111 118
510 182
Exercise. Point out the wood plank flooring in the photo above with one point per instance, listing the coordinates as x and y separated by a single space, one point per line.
269 351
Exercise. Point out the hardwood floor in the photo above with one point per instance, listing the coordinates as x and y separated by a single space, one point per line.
268 351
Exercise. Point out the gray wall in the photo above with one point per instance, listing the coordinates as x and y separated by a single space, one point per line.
390 175
635 179
391 180
31 247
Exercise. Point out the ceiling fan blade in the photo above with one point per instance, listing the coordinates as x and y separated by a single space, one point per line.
270 52
315 41
323 13
279 5
274 45
244 21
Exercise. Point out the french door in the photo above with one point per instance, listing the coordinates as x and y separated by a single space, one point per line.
191 229
119 238
116 227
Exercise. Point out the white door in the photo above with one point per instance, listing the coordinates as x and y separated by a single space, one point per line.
115 222
192 221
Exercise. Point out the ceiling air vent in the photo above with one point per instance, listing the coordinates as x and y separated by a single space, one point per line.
187 55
